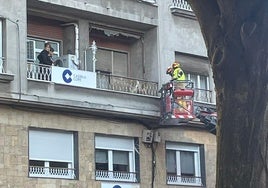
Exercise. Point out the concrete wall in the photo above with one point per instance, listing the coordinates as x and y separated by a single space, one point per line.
177 34
151 55
13 14
14 127
136 60
127 10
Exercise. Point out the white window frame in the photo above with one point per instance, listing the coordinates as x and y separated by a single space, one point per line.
198 84
179 147
111 144
47 170
38 50
1 48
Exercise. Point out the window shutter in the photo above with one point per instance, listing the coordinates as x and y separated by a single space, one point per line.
114 143
51 146
120 66
104 60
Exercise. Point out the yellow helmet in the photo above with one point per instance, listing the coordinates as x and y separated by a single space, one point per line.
175 65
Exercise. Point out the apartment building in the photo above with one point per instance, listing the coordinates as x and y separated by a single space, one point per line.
93 121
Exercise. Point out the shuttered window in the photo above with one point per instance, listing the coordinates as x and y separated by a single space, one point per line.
111 61
51 146
183 162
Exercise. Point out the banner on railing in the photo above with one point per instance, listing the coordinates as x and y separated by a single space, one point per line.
119 185
72 77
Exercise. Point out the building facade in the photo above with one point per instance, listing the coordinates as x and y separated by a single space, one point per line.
93 121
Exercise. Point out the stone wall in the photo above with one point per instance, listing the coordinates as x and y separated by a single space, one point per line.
15 123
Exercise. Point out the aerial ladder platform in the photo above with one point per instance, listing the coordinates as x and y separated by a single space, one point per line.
177 106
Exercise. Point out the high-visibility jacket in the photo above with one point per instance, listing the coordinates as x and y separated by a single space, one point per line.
178 74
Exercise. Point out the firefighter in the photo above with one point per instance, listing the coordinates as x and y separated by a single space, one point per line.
178 73
178 76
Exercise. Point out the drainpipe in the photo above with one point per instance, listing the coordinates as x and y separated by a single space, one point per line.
76 30
143 58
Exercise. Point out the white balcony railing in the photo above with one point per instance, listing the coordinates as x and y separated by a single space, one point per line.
203 95
180 4
65 173
39 72
184 180
116 176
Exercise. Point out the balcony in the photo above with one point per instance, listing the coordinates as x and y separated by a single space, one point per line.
128 85
104 81
184 180
4 76
49 172
181 7
116 176
109 95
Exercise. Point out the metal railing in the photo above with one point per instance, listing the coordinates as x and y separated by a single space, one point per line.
51 172
39 72
184 180
104 81
116 176
124 84
181 4
203 95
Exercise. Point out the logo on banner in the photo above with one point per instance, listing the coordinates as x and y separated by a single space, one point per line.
66 76
117 186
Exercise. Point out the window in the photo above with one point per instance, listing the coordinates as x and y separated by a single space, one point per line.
51 154
184 164
116 158
201 85
35 46
110 61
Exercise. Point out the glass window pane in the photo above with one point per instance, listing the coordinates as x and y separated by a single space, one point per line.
120 157
30 49
120 161
36 163
171 162
194 80
187 163
203 82
58 164
39 44
101 158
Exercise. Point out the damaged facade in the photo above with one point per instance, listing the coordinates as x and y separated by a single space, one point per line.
97 125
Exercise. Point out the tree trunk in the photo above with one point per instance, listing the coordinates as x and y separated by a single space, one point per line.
236 37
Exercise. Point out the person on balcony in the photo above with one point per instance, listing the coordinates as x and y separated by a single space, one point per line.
44 57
